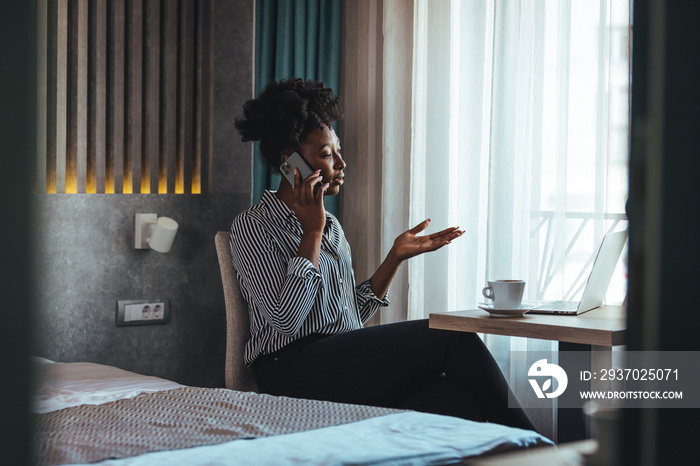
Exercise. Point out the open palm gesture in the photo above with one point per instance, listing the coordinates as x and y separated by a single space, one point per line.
409 244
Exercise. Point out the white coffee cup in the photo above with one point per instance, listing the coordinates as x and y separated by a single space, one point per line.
505 294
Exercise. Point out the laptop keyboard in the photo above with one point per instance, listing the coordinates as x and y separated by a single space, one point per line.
561 306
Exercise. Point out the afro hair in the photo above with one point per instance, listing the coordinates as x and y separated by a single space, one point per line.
285 114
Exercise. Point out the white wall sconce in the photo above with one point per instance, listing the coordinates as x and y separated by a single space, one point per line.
154 232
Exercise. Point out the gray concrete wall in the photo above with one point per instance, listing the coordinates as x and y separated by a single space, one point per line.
85 260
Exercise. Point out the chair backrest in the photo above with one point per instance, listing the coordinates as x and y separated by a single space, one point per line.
238 376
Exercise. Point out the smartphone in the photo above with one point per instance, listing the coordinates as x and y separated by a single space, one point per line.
295 161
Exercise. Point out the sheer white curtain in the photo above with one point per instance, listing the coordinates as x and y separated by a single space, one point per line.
507 118
519 128
519 124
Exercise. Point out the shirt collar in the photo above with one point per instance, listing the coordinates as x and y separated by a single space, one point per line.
280 212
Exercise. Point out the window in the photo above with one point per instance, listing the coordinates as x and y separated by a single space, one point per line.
520 135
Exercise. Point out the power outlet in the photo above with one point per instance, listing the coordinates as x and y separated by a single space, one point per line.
142 312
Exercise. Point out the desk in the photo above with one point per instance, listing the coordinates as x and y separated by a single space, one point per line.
598 329
604 326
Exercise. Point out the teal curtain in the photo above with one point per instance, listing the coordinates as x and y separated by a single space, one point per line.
295 38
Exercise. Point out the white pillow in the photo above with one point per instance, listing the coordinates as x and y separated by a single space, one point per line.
61 385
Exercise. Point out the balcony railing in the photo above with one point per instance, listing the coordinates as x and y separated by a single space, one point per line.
556 253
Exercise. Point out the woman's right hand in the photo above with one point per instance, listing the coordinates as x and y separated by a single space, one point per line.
307 205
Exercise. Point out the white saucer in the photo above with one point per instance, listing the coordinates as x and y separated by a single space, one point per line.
499 312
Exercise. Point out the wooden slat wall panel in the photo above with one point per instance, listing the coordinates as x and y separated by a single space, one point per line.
81 110
51 97
186 102
196 179
207 90
42 96
168 150
117 136
97 165
135 94
149 179
72 99
61 89
125 96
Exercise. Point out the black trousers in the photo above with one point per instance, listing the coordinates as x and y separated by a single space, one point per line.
404 365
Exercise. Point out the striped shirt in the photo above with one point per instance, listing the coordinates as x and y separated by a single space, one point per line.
288 297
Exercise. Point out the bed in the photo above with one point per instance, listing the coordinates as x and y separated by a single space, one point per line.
86 413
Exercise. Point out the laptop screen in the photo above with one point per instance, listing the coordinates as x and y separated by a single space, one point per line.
603 270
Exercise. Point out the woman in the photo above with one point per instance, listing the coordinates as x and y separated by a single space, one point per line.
307 313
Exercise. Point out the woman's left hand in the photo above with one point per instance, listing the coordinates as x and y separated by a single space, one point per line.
409 244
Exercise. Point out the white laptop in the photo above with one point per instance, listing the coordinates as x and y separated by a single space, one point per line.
598 280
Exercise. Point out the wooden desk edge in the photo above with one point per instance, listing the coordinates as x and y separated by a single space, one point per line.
445 321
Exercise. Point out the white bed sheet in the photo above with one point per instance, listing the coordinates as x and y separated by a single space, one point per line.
409 438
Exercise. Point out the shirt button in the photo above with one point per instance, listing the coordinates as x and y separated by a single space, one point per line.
341 280
335 257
